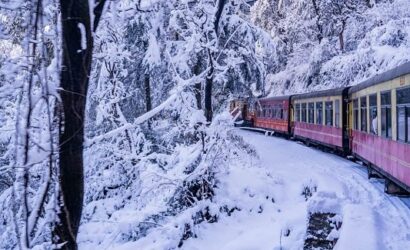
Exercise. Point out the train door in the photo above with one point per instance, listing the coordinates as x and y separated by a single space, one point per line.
350 122
290 117
245 111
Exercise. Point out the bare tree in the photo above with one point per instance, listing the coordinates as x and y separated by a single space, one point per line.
211 61
77 44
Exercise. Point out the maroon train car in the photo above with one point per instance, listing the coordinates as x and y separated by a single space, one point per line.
319 118
379 109
273 114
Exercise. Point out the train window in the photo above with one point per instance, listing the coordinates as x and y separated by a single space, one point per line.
401 123
386 114
403 96
311 112
319 113
363 114
297 112
403 114
408 123
337 113
329 113
280 111
303 112
356 114
373 113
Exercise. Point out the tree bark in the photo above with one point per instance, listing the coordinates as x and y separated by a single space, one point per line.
198 86
318 25
210 75
341 36
148 101
147 87
77 46
208 93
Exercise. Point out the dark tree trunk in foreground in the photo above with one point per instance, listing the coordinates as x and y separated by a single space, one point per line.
211 56
198 86
147 87
77 48
148 101
208 90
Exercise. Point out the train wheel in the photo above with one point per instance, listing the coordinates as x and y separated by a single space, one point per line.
371 173
392 188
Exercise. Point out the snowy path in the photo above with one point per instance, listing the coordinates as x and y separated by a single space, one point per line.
371 219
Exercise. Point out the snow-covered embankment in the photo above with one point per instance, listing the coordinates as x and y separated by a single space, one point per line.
274 213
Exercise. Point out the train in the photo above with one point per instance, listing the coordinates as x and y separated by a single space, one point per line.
368 122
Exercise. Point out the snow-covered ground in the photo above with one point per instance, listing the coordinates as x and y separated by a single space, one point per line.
267 208
274 213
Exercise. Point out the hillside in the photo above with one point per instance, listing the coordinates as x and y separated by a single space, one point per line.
319 44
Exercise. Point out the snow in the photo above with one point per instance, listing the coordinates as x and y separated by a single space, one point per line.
263 190
83 36
371 219
375 40
153 54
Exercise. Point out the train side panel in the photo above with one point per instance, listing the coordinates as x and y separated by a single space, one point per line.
318 118
391 157
319 133
273 114
380 133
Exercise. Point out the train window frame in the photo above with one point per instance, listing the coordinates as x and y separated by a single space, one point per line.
374 128
280 111
311 112
274 112
337 112
329 110
303 111
363 114
401 137
356 114
297 112
319 113
386 118
403 104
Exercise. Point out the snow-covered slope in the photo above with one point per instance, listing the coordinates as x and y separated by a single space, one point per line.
261 203
322 44
370 218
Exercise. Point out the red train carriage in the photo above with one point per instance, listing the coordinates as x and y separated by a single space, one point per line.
273 114
380 121
238 108
319 118
371 121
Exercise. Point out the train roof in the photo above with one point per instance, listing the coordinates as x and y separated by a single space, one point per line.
401 70
276 98
321 93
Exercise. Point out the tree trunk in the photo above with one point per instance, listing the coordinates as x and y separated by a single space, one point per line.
147 87
318 25
198 86
77 46
341 36
148 101
210 76
208 95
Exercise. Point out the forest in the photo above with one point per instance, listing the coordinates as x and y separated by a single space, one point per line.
114 120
